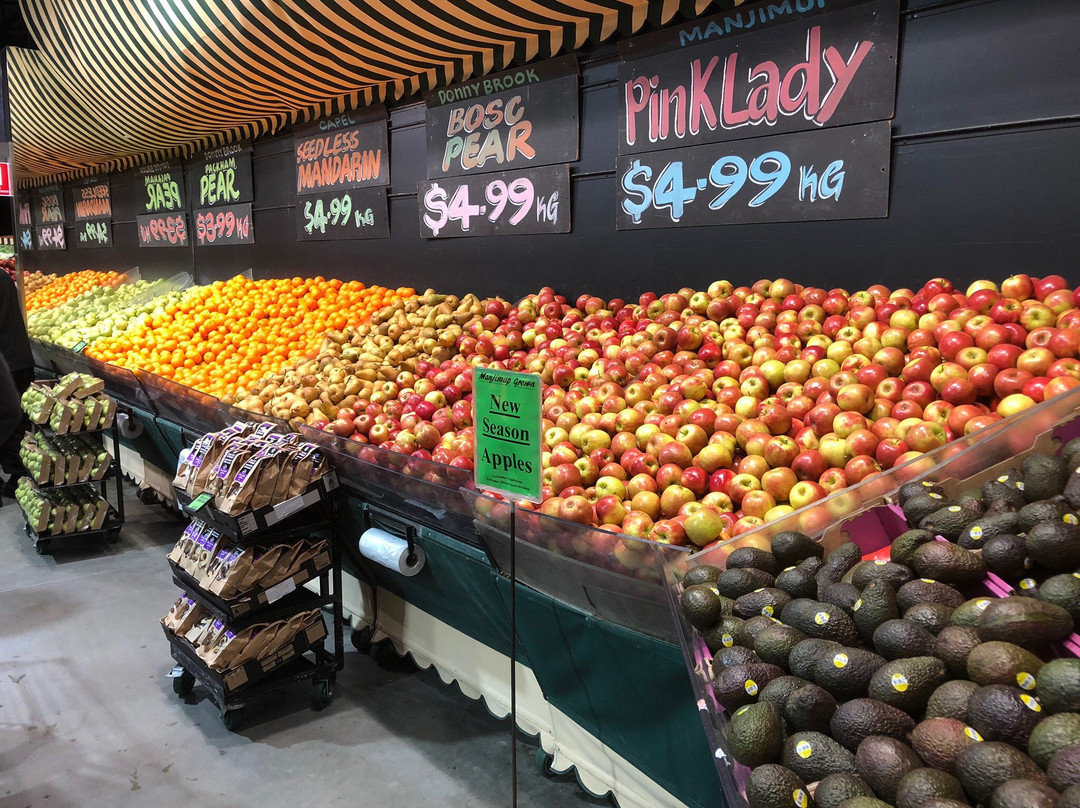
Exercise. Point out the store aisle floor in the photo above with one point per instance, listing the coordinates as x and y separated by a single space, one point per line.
88 717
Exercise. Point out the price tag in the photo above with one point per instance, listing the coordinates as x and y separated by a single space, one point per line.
94 234
247 523
285 509
51 237
227 225
358 214
200 501
280 590
162 230
80 346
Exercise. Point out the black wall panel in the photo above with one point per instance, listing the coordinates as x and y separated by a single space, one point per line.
985 182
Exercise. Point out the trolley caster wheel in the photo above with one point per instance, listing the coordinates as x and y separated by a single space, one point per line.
321 693
183 684
232 718
148 496
361 638
385 655
542 760
43 547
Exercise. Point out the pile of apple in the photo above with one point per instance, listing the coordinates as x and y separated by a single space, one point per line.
699 415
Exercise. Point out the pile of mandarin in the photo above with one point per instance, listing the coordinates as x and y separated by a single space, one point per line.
67 287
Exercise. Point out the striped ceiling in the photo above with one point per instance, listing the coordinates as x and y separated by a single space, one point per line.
116 83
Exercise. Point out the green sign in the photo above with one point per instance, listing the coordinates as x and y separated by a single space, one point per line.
200 501
508 432
80 346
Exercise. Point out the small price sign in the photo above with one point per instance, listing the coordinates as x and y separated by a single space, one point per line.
531 201
80 346
200 501
508 434
94 234
228 225
51 237
26 238
162 230
339 215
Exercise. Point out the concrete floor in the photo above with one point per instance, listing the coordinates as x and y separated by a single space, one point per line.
89 718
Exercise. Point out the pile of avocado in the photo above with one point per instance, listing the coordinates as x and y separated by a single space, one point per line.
852 683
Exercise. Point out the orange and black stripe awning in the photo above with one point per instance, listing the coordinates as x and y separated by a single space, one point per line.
116 83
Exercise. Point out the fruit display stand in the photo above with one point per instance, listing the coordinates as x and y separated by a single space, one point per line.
315 586
871 517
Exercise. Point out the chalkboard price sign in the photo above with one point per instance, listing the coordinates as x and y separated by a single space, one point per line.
163 185
342 153
93 234
90 199
531 201
229 225
26 239
51 237
162 230
221 177
48 205
358 214
23 212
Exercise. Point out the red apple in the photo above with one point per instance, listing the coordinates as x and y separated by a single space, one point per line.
1018 287
888 451
1010 381
778 482
926 437
833 480
809 465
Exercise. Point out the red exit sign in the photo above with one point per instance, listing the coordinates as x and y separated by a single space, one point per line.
5 180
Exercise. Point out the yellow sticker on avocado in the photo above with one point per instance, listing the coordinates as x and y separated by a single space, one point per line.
976 532
798 796
981 604
954 509
714 589
840 660
803 749
899 682
1031 703
972 734
935 496
767 611
1028 583
928 580
1025 680
751 687
880 562
1004 478
857 605
741 710
727 640
1070 519
821 618
759 589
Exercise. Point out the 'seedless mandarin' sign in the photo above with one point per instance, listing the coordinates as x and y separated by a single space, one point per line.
840 173
814 72
90 198
517 119
338 215
508 426
163 188
221 177
342 153
162 229
48 204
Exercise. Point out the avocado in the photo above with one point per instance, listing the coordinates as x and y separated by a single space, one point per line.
1044 476
834 789
899 639
1064 591
846 672
876 604
1058 686
909 490
931 616
736 583
969 495
948 522
908 683
767 601
1041 511
1054 545
836 566
774 644
953 646
804 657
758 624
1071 494
790 547
1003 713
882 763
798 581
701 574
1070 798
866 571
969 614
947 563
903 547
729 631
943 802
823 620
779 690
813 756
858 719
740 684
735 655
1023 794
773 786
1027 587
755 557
796 609
919 507
843 595
1024 621
1006 555
1064 767
1051 734
998 493
982 767
756 734
702 606
809 709
951 700
975 534
864 802
927 590
1003 663
939 741
1069 451
920 785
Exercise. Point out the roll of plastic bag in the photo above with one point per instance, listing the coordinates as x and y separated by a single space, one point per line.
129 427
183 456
391 552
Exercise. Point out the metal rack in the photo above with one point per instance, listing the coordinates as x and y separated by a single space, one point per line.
306 657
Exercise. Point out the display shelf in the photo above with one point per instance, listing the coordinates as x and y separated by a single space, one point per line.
110 474
122 384
109 531
251 524
182 405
